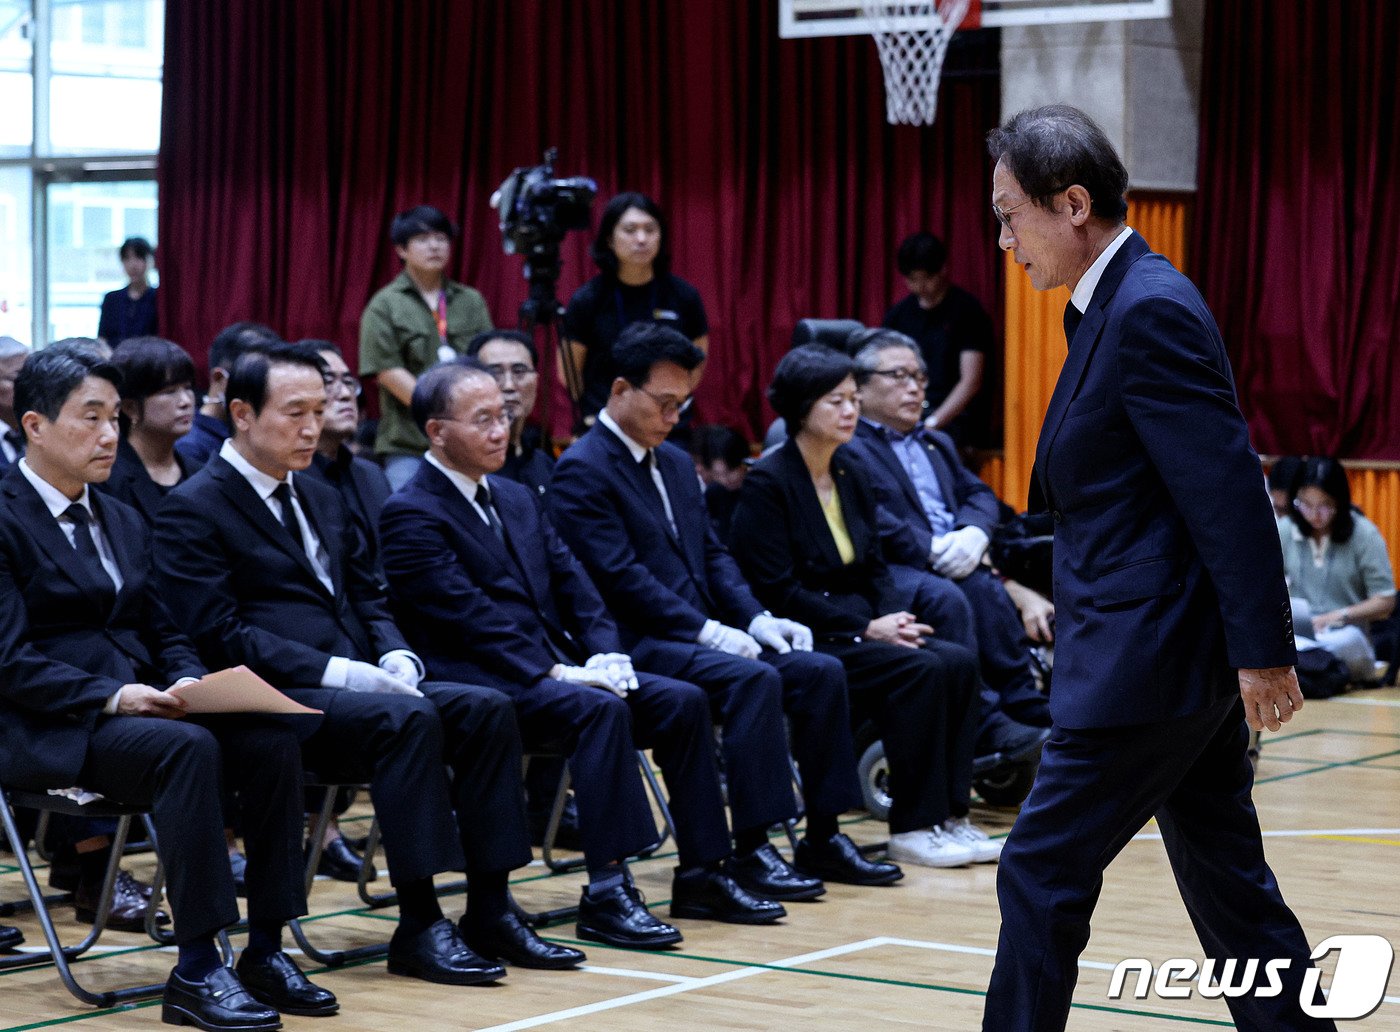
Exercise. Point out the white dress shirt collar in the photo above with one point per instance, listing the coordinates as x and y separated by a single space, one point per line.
638 452
263 484
1084 291
460 480
55 499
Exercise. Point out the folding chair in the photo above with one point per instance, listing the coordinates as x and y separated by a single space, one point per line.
61 955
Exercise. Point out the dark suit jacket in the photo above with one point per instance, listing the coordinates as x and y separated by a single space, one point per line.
132 485
68 639
1168 572
656 582
363 488
203 441
246 593
781 539
972 503
476 610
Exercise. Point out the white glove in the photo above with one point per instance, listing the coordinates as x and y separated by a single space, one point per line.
722 638
780 635
957 553
366 677
618 670
402 664
594 677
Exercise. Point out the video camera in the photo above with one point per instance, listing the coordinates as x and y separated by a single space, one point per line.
537 208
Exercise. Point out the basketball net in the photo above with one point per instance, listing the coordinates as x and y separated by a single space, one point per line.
912 38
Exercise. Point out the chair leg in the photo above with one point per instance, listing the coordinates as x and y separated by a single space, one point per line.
551 831
59 954
668 824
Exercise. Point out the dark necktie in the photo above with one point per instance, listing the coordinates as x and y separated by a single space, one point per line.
654 470
83 543
283 493
483 499
1073 316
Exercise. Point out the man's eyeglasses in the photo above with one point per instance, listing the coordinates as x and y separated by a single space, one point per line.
483 423
346 381
1003 215
669 406
902 376
518 372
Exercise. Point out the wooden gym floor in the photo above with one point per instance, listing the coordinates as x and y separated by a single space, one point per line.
916 955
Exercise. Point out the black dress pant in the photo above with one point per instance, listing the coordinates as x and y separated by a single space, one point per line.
174 767
1094 791
601 732
924 703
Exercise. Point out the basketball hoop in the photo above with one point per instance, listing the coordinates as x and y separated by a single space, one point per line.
912 37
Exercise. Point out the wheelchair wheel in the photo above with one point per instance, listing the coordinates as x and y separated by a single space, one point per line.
874 773
1007 785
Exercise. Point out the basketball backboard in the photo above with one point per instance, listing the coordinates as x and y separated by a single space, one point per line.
799 18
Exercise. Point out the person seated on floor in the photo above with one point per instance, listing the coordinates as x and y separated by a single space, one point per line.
210 428
1280 481
264 568
805 534
628 506
1337 566
511 357
87 652
489 594
947 516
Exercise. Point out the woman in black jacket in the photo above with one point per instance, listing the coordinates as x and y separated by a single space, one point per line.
804 534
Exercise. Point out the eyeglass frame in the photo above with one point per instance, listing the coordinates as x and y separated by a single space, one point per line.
504 420
1308 509
1003 215
668 407
349 380
514 371
902 376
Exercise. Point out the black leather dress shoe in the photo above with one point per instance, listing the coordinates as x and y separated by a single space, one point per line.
711 895
10 937
340 862
765 873
838 860
276 981
219 1003
129 905
618 917
1002 735
510 939
438 954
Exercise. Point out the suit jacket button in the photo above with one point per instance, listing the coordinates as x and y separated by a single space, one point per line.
1056 516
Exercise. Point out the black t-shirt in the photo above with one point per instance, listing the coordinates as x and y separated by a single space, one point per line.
956 324
600 310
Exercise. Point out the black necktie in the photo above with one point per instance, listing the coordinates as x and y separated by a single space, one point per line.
654 471
1073 316
283 493
83 543
483 499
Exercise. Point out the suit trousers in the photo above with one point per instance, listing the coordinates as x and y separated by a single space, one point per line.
924 703
1095 790
593 727
746 698
173 768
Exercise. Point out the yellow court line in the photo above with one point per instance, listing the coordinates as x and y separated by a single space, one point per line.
1359 838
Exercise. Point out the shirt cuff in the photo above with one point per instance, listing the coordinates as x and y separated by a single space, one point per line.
708 632
337 673
114 701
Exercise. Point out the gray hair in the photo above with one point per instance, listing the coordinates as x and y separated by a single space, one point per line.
9 347
867 358
1051 148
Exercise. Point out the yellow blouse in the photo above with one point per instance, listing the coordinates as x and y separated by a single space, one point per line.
837 524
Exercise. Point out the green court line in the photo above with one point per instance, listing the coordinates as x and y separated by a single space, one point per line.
847 976
1327 766
1295 734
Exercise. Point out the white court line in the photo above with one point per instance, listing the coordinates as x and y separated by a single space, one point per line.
673 990
1395 703
1156 836
654 976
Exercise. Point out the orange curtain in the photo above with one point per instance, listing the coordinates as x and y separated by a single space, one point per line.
1375 488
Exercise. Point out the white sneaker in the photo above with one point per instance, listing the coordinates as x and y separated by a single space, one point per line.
985 849
931 848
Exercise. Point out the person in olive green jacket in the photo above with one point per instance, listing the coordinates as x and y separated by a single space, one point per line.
418 320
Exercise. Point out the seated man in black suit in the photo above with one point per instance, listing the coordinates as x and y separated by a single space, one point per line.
84 642
265 568
488 593
949 516
629 506
511 357
210 428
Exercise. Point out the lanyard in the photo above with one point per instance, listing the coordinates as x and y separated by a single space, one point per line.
442 314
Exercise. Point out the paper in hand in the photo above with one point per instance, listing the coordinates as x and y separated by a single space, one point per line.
235 690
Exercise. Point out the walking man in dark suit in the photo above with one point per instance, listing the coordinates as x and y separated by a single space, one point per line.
488 593
265 568
1173 625
629 507
87 651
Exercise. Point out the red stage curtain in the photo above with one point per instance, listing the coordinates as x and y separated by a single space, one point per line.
1295 243
293 132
